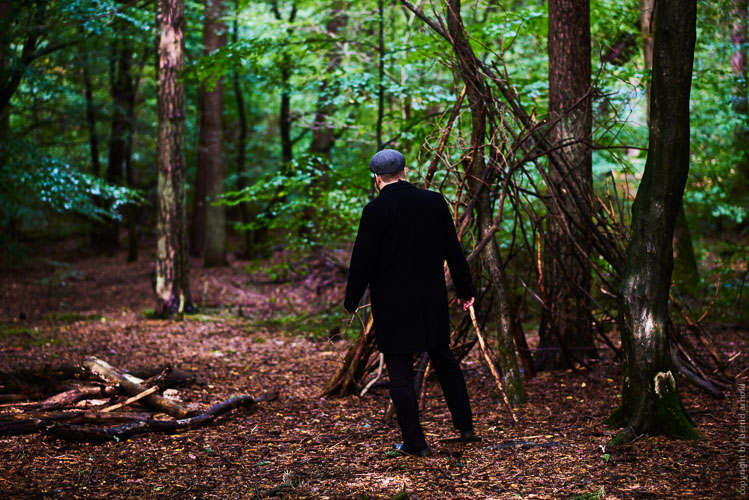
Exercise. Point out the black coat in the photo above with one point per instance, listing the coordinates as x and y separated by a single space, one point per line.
405 236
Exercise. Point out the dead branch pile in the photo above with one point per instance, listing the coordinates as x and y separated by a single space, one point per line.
84 412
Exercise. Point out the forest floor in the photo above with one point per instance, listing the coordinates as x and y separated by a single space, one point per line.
57 312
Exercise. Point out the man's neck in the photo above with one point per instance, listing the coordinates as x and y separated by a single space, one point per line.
391 182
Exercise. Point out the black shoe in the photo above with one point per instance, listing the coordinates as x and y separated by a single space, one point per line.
469 436
419 453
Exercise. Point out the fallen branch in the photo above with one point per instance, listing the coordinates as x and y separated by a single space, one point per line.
128 401
71 432
133 385
16 424
695 379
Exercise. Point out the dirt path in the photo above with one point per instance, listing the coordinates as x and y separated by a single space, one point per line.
305 446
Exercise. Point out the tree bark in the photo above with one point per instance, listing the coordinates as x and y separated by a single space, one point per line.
741 93
478 93
208 237
650 399
93 138
121 128
685 264
323 133
172 264
566 272
242 174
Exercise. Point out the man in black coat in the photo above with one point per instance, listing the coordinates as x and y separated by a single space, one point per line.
405 236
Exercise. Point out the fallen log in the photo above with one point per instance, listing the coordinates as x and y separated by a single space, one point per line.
70 432
134 386
16 424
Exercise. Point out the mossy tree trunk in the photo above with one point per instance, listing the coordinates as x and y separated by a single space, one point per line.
172 264
650 399
478 94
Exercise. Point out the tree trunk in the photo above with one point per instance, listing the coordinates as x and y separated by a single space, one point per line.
511 379
5 58
284 116
172 264
650 399
208 237
647 28
119 137
567 245
323 133
381 72
93 138
685 264
242 174
741 94
477 93
685 275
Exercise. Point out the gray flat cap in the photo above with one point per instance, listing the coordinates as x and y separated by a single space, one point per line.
387 161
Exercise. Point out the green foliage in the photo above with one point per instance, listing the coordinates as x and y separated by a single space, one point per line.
22 336
311 203
32 182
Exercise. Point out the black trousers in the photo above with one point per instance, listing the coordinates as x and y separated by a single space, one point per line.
402 391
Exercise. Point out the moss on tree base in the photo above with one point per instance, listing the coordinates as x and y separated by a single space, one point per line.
661 414
616 420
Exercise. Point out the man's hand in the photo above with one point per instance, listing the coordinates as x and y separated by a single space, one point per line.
466 303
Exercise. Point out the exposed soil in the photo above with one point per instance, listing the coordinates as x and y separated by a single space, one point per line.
305 446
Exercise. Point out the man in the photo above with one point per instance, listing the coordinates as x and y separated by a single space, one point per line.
405 236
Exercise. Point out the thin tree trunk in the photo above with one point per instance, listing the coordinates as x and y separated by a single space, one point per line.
93 138
647 28
284 116
323 133
122 92
5 57
209 220
650 399
478 93
131 210
380 72
172 264
741 93
242 174
566 272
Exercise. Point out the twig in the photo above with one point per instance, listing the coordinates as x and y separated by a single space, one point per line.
377 377
133 399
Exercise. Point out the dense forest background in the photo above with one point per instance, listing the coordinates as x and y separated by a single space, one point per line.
181 182
300 117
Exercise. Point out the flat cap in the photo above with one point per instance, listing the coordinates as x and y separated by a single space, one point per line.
387 161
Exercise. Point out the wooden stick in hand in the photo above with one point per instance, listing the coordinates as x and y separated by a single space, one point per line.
489 362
